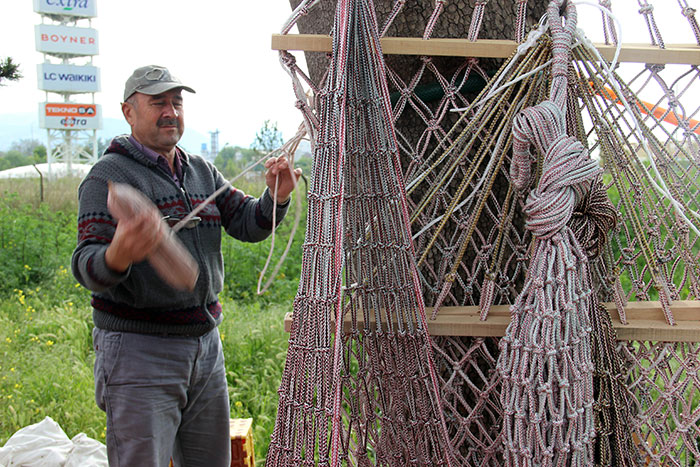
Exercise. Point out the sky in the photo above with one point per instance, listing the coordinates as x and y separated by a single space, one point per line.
221 48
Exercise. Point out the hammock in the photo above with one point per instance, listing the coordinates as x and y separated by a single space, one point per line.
472 248
374 384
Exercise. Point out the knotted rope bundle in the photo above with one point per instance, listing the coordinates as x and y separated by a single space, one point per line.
545 361
592 220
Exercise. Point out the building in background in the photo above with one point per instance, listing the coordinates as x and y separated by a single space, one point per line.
214 146
70 80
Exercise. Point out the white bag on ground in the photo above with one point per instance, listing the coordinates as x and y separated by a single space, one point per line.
45 444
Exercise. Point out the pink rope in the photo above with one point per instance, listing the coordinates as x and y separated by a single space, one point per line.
545 361
368 394
477 18
520 21
341 45
398 6
432 21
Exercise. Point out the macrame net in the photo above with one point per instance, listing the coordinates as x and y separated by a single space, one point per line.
472 247
371 394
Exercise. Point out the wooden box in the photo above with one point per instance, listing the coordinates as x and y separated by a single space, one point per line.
242 453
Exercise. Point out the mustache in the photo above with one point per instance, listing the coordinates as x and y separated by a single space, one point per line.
168 122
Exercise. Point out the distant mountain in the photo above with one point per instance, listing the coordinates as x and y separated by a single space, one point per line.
14 127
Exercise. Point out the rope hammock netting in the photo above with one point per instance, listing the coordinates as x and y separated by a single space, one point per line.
389 409
554 188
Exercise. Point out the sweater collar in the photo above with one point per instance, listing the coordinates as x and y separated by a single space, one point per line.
122 145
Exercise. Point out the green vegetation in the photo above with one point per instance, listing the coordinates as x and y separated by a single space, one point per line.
23 152
232 160
268 138
46 354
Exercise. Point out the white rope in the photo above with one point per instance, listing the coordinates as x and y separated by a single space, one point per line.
531 40
660 187
618 46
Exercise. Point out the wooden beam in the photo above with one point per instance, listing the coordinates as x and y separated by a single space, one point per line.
640 53
645 322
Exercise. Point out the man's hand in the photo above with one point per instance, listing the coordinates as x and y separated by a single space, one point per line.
288 177
134 239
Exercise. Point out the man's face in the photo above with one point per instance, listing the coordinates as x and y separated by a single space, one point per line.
157 121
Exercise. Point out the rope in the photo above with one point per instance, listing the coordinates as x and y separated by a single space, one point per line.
520 21
288 149
591 222
482 251
689 13
647 11
398 6
657 181
489 123
545 361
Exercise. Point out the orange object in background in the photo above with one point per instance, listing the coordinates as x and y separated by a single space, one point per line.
658 112
242 452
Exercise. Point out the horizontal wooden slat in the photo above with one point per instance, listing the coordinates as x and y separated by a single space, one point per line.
640 53
645 322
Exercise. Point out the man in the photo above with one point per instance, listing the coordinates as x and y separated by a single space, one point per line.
159 367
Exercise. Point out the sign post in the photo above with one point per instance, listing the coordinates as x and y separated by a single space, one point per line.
68 45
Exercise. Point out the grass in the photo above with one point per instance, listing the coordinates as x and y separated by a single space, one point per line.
58 195
46 356
255 347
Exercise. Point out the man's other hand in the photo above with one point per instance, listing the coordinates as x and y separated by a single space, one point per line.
288 177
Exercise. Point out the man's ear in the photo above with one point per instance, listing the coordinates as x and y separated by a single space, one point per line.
128 111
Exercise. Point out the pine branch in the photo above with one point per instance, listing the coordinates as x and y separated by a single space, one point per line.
9 70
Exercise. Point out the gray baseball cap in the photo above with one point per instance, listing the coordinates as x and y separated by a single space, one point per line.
152 80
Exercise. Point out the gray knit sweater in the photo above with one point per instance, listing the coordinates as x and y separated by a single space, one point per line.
138 300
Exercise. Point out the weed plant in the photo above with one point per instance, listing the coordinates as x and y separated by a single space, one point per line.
34 242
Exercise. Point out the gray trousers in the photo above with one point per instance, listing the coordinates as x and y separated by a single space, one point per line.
165 396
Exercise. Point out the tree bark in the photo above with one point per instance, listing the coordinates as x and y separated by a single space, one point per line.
498 23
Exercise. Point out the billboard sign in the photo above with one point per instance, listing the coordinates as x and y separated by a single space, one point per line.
81 8
65 40
70 116
68 78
